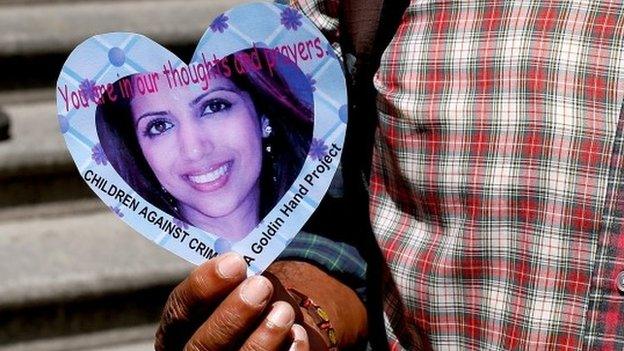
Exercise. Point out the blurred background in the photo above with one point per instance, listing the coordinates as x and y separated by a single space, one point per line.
73 276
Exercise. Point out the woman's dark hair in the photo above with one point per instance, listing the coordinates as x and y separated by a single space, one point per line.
279 91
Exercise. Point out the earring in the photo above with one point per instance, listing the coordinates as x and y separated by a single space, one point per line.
267 130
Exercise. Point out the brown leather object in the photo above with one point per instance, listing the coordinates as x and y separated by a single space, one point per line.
318 340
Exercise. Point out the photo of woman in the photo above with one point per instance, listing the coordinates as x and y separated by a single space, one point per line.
219 158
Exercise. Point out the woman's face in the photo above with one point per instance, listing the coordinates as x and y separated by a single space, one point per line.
205 149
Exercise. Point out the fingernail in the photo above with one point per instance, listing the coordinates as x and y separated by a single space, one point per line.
256 290
299 336
281 316
298 332
230 265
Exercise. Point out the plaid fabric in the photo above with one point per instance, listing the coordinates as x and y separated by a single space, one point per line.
496 189
606 309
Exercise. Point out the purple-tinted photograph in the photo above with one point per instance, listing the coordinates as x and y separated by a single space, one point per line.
215 144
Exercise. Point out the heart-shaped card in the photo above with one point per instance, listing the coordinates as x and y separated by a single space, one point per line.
230 152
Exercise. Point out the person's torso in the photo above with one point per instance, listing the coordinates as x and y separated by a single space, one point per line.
495 180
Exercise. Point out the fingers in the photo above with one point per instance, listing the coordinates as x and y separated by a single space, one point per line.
273 331
213 310
192 300
300 339
234 317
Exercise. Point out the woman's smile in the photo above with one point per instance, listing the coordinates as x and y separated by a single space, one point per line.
214 178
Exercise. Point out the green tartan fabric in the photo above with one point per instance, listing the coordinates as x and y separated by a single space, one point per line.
496 187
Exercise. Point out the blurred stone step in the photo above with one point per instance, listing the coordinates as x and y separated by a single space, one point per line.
138 338
36 38
26 96
138 346
142 346
53 209
36 142
38 28
35 166
79 273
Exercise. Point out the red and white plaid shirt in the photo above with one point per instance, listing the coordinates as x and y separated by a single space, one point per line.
497 189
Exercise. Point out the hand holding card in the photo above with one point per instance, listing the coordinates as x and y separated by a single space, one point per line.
231 152
199 313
